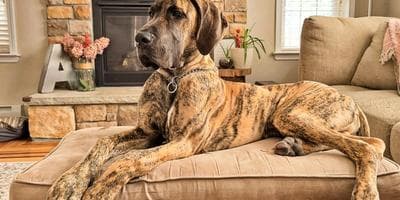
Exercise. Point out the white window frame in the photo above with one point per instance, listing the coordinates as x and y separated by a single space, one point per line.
13 56
292 53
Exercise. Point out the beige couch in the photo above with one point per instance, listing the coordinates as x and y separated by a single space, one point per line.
344 52
248 172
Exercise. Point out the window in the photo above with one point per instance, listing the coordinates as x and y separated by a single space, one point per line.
8 49
290 15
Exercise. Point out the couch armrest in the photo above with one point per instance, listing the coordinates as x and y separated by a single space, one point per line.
395 142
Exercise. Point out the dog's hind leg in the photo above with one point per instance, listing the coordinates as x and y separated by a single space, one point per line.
133 164
291 146
365 156
377 143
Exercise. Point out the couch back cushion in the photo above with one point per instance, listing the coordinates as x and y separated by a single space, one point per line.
332 47
370 72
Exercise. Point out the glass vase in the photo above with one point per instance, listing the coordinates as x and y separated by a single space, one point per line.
85 79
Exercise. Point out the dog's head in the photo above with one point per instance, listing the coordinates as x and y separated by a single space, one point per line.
178 30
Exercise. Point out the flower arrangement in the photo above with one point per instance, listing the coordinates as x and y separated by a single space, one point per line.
83 49
246 41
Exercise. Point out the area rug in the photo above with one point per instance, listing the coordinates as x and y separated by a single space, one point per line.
7 172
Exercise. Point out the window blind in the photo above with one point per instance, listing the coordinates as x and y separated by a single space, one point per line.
295 11
4 28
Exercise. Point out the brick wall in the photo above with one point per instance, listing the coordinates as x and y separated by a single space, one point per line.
74 17
235 12
68 16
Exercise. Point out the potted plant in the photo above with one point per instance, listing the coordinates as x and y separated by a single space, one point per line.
83 51
245 45
226 62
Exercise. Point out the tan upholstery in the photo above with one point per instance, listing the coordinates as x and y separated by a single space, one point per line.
378 107
332 47
370 72
331 50
395 142
248 172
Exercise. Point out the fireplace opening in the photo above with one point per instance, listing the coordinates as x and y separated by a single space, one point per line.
119 20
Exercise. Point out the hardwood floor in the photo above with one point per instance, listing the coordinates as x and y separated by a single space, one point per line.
25 150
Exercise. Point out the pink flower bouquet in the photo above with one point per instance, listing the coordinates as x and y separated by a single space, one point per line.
83 49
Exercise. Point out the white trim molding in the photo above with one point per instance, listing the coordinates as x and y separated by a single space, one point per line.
10 110
13 56
286 55
9 58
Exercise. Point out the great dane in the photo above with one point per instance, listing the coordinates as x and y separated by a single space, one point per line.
186 109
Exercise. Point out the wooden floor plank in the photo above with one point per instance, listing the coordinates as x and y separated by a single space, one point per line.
25 150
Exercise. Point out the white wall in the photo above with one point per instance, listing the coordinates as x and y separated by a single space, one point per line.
262 14
394 8
21 79
379 7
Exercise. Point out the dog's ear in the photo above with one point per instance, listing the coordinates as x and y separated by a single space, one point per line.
211 25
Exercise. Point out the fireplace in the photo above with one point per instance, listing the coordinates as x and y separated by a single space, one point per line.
119 20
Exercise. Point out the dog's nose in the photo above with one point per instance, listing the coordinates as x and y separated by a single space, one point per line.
144 37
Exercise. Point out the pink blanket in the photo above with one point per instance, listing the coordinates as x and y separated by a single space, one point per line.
391 47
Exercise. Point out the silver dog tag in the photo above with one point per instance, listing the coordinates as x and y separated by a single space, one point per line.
172 86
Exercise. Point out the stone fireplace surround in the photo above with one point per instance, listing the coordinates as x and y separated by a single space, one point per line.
56 114
75 16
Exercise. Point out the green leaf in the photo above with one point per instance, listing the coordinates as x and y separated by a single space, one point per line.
249 41
224 51
260 42
84 84
245 56
258 53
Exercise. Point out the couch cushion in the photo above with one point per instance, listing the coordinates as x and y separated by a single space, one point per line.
380 108
370 72
248 172
332 47
395 142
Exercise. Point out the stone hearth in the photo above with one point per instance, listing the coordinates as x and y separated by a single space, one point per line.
56 114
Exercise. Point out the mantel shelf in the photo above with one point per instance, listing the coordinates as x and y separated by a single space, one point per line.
234 72
102 95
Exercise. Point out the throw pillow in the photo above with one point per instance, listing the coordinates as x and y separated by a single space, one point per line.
370 72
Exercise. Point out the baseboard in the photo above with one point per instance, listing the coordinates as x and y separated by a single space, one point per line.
10 110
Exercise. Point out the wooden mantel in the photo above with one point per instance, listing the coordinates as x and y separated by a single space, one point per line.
238 75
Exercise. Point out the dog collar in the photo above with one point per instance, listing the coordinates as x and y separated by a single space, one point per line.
172 86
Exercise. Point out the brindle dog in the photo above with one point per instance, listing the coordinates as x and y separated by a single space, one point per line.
186 109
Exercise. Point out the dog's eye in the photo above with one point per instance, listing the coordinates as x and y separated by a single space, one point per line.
177 14
151 13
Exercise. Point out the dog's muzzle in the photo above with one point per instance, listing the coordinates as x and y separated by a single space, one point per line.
144 38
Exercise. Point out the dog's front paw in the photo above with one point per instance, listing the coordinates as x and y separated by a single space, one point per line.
69 186
365 193
289 147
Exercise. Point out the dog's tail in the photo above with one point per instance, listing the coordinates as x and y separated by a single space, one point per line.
364 126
